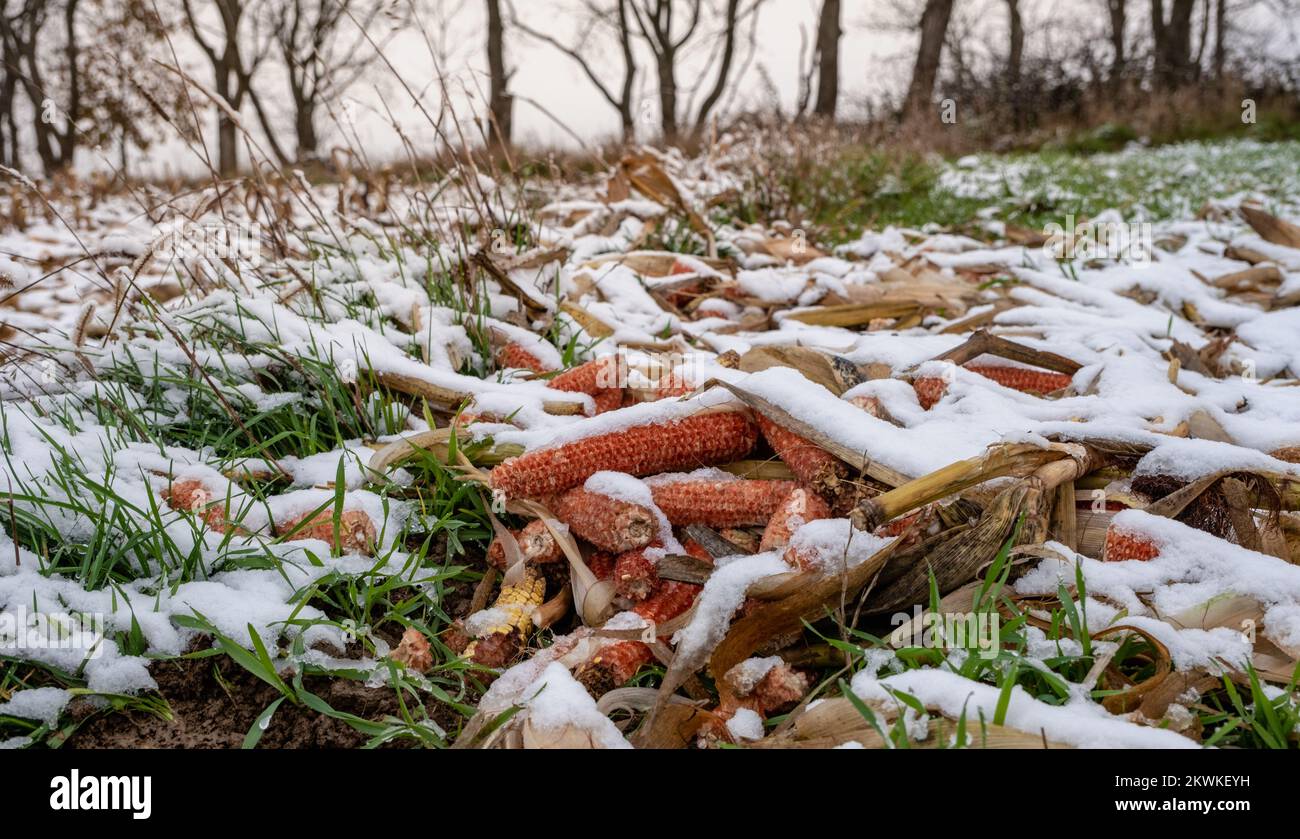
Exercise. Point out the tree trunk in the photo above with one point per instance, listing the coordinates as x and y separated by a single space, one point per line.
1220 24
828 52
1118 22
934 26
724 67
304 126
227 134
1173 41
499 100
1016 50
667 61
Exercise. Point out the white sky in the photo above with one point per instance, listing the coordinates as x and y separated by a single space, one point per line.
875 60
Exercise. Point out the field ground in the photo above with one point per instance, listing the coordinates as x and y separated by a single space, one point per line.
191 443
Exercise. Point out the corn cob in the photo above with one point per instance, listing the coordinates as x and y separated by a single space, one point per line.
1291 454
616 663
701 440
780 688
799 507
871 405
356 531
514 354
695 549
192 496
608 523
635 576
536 544
601 565
929 390
1023 379
719 503
1121 546
812 464
502 642
413 651
596 378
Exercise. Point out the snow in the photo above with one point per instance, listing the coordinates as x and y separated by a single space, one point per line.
378 310
1080 724
557 702
40 704
745 725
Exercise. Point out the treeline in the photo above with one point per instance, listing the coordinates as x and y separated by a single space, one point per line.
271 76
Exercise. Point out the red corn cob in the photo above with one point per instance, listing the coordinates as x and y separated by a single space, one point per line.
671 386
720 503
1291 454
929 390
414 651
1121 546
635 576
356 530
608 523
514 354
799 507
1024 379
601 565
812 464
191 495
695 549
536 544
596 378
870 404
614 664
700 440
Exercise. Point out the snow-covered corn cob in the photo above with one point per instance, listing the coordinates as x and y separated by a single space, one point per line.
812 464
514 354
356 531
536 544
501 642
193 496
700 440
597 379
1024 379
1121 545
635 576
616 663
720 503
930 389
798 508
608 523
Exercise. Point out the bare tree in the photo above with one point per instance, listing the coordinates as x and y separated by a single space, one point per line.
934 27
598 18
828 59
1172 36
1015 45
10 70
1220 39
324 46
500 103
27 39
657 22
77 97
1118 12
232 70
